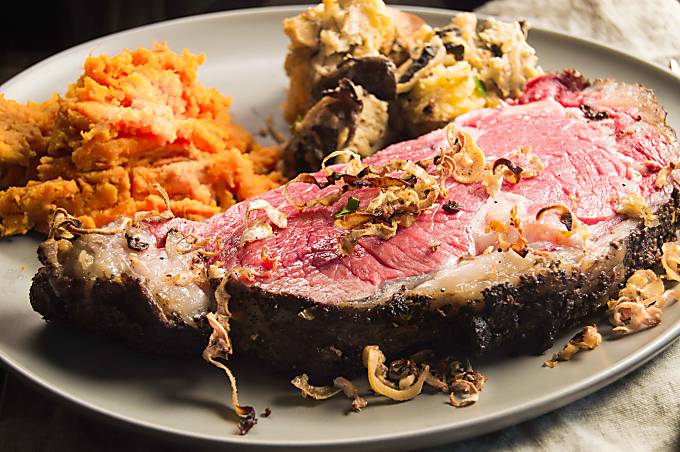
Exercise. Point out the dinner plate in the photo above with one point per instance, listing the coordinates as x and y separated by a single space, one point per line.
187 398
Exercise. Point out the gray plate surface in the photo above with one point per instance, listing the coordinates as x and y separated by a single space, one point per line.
186 398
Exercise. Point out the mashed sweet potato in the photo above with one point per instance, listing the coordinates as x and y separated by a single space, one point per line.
131 120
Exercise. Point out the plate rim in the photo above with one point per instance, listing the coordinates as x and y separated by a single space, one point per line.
461 430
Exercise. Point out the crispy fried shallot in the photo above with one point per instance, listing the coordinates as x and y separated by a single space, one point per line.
315 392
640 303
533 165
635 206
505 169
510 172
462 383
403 379
463 393
219 347
340 384
351 392
492 182
66 226
633 316
505 233
642 285
565 215
568 219
670 260
468 158
406 188
662 175
409 386
587 339
260 229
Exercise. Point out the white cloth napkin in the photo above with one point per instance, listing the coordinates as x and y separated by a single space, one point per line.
640 412
648 29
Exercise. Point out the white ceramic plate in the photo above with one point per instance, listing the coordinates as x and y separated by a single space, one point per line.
245 52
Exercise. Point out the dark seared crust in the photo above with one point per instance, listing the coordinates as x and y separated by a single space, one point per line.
326 341
121 309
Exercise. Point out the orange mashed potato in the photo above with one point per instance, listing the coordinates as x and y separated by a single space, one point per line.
131 120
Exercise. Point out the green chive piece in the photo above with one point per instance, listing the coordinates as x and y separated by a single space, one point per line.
479 87
352 205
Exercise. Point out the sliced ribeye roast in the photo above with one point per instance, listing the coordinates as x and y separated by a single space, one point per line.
587 196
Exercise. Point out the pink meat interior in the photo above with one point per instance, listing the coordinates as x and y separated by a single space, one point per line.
588 165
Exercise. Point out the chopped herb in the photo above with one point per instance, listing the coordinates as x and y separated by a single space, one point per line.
352 205
479 87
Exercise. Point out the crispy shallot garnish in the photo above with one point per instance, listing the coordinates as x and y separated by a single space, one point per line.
642 285
662 175
510 172
468 158
340 384
587 339
462 383
351 392
492 182
635 206
463 393
505 233
633 316
568 219
261 229
408 387
406 188
640 303
670 260
565 215
533 165
315 392
219 347
505 169
66 226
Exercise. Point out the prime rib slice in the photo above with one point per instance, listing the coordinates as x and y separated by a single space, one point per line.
433 283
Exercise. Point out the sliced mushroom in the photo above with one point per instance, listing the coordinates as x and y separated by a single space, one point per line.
327 126
414 68
345 118
376 74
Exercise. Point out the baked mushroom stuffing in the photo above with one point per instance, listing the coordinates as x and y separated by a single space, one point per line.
363 75
468 64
